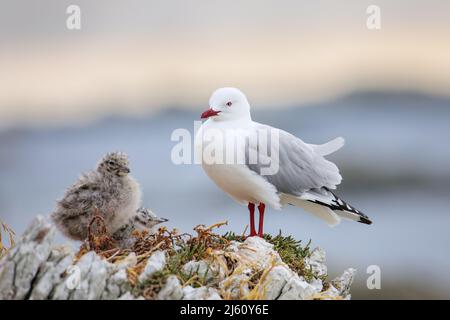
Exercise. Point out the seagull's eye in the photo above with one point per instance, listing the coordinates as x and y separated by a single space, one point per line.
229 104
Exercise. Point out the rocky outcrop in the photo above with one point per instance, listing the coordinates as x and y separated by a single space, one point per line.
36 269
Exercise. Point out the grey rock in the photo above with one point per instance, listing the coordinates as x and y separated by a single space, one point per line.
284 284
298 289
156 262
34 269
94 272
51 273
317 262
116 285
19 268
317 284
129 262
201 268
275 281
255 251
344 282
236 285
207 271
201 293
129 296
172 289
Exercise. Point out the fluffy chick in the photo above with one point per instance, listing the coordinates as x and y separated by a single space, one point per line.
108 191
144 219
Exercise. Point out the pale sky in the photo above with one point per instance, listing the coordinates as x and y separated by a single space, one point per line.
133 57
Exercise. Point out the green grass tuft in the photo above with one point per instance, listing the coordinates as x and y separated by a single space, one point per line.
290 250
292 253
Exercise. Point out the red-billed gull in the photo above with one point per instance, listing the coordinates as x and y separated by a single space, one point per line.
259 165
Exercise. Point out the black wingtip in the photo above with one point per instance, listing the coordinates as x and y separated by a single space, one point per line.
364 220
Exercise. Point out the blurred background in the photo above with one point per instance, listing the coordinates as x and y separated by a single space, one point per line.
137 70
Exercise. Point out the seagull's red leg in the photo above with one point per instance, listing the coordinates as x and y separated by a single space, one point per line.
251 208
261 209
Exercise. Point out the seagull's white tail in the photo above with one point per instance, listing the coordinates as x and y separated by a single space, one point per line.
327 206
322 212
329 147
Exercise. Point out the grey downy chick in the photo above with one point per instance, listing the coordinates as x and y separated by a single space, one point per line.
144 219
108 191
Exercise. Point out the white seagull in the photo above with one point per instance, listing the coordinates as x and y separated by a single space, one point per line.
303 177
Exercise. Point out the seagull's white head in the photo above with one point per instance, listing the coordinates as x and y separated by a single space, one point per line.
227 104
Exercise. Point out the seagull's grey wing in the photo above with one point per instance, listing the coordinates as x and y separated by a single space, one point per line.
300 167
328 147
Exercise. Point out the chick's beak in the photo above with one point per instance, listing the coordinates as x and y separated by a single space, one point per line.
124 171
209 113
161 220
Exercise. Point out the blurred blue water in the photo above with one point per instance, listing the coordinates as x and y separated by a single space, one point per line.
395 167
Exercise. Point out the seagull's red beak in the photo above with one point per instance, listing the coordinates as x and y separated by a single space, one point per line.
209 113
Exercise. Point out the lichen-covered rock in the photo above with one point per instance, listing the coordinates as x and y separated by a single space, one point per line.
116 285
172 289
207 271
92 278
94 273
252 269
274 282
129 262
317 284
278 281
254 251
339 288
201 268
236 285
51 273
129 296
284 284
201 293
317 262
19 268
297 289
155 263
344 282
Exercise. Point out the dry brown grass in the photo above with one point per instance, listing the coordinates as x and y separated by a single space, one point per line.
5 229
181 248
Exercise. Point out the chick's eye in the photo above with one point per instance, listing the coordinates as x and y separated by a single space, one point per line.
229 104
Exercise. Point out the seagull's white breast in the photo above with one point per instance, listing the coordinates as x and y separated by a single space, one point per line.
233 177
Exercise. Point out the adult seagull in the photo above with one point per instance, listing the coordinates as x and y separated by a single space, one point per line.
303 177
